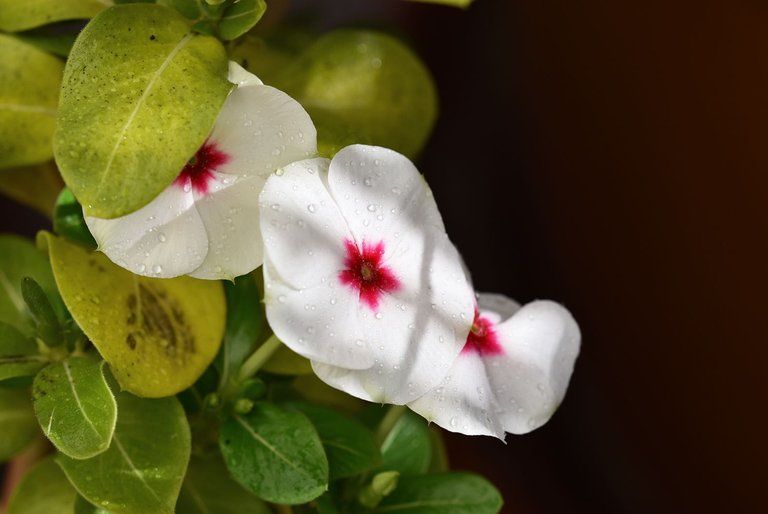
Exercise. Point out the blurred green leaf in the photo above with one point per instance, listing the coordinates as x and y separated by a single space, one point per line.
18 354
444 493
287 362
244 324
349 445
144 467
209 489
240 17
158 335
20 258
68 220
46 322
455 3
16 15
83 506
363 87
29 92
439 462
129 120
36 186
17 422
407 448
275 453
75 407
56 44
43 490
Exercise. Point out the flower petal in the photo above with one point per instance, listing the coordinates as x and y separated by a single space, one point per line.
262 129
496 307
242 77
463 402
165 238
541 342
230 214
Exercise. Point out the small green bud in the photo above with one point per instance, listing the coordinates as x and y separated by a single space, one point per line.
212 402
381 485
243 405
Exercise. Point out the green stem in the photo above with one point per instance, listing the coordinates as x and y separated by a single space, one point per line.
388 422
259 358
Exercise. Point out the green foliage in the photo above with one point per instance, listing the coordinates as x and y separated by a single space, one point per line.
17 422
407 448
349 445
68 220
444 493
160 335
41 311
382 484
140 94
29 92
287 362
75 407
43 490
245 320
35 186
209 489
53 43
16 16
240 17
148 458
454 3
362 87
83 506
20 258
18 354
275 453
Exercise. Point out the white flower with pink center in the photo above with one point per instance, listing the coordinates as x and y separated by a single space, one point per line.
511 374
360 275
206 223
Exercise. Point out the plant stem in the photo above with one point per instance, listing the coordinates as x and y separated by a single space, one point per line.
259 358
388 422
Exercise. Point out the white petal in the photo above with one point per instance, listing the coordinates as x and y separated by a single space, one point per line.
165 238
230 214
303 230
463 402
262 129
242 77
496 307
541 342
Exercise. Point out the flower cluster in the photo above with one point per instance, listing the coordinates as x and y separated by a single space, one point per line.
360 276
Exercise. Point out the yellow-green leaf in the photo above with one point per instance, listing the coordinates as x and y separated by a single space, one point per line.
29 91
43 490
16 15
140 95
158 335
36 186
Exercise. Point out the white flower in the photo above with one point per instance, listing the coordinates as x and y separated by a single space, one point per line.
360 276
206 223
512 373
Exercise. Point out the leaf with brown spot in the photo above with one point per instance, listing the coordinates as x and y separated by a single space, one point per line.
158 335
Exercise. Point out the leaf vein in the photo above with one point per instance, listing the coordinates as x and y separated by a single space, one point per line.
77 398
271 448
133 467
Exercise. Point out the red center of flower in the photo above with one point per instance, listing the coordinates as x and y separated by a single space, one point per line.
198 172
366 274
482 337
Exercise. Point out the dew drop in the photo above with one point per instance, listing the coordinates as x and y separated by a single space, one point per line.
275 206
454 422
396 190
371 208
378 315
312 208
162 238
157 269
368 181
281 298
359 343
142 268
333 301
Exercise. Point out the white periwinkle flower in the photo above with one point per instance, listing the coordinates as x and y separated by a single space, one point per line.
206 223
360 275
512 373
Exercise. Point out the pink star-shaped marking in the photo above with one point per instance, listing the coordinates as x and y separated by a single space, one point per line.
198 172
366 274
482 337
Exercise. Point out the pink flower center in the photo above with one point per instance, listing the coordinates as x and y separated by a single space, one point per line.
366 274
198 172
482 337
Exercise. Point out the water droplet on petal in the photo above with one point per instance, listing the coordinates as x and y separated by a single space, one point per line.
275 206
162 238
312 208
359 343
281 298
371 208
454 422
157 269
378 315
368 181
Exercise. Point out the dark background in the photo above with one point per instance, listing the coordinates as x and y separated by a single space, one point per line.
613 158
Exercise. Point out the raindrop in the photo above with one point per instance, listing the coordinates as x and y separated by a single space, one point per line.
157 269
359 343
380 217
281 298
371 208
396 190
275 206
454 422
378 315
333 301
161 237
276 151
312 208
142 268
368 181
310 330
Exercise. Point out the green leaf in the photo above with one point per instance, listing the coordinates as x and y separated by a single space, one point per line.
40 308
407 447
444 493
439 461
68 220
349 445
363 87
75 407
19 355
83 506
209 489
36 186
43 490
158 335
240 17
16 15
20 258
287 362
140 94
17 422
454 3
144 467
275 453
244 324
29 91
191 9
382 484
56 44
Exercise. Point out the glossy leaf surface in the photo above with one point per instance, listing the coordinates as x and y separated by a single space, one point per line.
444 493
